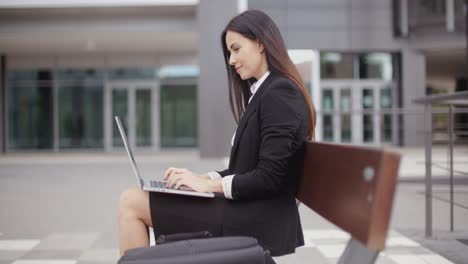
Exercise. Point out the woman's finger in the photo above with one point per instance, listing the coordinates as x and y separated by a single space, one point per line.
173 171
177 170
179 183
171 180
168 172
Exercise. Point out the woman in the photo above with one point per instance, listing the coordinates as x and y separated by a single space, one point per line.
256 198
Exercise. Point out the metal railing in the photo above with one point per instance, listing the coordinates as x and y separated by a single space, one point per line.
450 100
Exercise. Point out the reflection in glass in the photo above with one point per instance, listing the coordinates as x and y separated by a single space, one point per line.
25 75
178 116
179 71
368 132
327 127
119 108
376 65
80 115
345 108
367 98
385 104
336 65
143 117
327 105
387 128
327 102
132 74
30 110
89 74
367 118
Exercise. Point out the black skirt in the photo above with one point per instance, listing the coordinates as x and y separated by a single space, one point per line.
172 213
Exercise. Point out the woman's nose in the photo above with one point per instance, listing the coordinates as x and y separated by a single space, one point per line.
232 60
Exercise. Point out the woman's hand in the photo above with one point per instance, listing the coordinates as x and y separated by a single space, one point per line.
177 177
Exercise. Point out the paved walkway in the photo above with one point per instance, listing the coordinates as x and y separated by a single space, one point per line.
61 208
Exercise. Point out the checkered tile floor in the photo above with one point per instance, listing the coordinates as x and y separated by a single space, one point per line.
322 246
326 246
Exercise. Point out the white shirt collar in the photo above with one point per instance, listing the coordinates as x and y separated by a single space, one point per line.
257 84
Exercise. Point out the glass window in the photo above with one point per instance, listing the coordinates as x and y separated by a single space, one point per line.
22 75
367 117
80 114
179 71
376 65
143 117
327 100
345 100
80 74
30 116
385 104
367 98
132 73
345 109
336 65
120 109
328 107
178 116
327 127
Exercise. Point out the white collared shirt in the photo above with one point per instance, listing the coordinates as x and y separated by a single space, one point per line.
227 180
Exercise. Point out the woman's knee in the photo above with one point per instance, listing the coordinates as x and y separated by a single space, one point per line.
134 202
129 199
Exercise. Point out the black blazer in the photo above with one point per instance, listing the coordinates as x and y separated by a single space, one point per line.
266 159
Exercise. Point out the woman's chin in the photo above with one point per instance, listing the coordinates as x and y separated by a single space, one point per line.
244 77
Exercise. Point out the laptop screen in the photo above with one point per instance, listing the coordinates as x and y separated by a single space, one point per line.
129 151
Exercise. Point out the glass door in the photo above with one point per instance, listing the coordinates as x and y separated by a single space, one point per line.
358 112
345 114
143 124
327 114
133 103
368 114
120 109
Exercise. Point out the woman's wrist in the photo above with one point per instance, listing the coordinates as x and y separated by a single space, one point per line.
204 176
215 185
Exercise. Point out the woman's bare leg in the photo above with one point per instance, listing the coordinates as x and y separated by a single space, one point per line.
134 219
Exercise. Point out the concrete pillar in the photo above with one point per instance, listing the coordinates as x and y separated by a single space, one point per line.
216 124
414 86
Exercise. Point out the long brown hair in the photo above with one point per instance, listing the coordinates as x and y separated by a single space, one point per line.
254 24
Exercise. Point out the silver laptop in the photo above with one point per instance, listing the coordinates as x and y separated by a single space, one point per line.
154 185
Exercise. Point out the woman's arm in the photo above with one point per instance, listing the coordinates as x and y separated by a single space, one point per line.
282 110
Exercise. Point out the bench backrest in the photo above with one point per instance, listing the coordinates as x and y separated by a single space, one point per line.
352 187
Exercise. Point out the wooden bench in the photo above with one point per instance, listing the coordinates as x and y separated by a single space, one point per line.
352 187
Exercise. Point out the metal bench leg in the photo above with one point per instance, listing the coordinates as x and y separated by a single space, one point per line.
356 253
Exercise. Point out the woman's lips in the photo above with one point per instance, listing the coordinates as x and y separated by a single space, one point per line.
238 68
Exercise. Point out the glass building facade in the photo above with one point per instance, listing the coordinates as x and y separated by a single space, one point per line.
66 108
73 108
359 91
354 94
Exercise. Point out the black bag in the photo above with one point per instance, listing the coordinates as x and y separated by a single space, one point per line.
212 250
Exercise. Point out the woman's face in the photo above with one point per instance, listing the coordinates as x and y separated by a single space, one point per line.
246 56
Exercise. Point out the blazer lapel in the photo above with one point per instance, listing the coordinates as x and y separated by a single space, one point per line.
251 109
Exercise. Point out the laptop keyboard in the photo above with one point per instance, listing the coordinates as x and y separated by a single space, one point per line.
159 184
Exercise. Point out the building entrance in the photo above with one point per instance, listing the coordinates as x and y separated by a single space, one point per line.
136 103
359 112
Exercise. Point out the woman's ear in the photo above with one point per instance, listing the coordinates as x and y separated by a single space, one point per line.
260 46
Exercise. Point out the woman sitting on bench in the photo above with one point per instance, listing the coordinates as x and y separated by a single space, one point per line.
256 194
